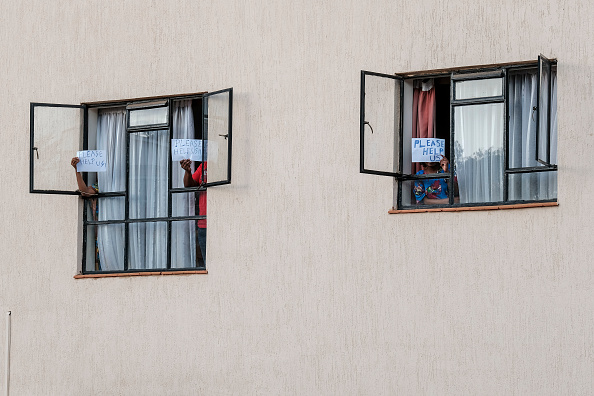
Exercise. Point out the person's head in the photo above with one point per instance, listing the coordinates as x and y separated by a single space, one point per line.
430 166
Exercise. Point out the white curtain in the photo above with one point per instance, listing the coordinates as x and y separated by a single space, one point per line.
147 189
183 233
111 137
522 139
479 132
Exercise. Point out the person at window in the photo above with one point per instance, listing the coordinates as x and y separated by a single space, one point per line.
194 180
88 191
433 191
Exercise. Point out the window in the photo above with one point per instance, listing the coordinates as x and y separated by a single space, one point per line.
143 216
497 125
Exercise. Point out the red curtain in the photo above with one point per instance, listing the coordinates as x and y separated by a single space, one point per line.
423 120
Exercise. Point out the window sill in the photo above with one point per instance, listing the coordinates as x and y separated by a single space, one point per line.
112 275
472 208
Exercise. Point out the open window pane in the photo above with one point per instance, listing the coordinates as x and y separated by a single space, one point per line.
543 134
217 123
479 152
55 139
472 89
380 123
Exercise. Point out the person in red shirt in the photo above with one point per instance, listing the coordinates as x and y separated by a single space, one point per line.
195 180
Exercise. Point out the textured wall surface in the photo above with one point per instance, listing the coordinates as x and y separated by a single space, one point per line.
312 287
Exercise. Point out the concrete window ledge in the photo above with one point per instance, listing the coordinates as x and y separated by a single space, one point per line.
471 208
81 276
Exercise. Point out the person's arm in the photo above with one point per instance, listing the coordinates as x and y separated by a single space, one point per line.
188 179
82 187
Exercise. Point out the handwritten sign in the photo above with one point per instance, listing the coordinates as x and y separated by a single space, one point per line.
91 161
427 149
187 149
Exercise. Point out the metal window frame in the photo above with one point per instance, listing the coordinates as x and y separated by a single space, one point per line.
33 150
397 113
148 105
464 74
229 136
542 63
169 219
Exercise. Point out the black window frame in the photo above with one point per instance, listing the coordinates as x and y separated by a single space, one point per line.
125 103
463 74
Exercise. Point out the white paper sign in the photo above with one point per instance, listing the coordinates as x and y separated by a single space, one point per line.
427 149
187 149
91 161
192 149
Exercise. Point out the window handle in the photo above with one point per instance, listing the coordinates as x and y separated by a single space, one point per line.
367 123
36 152
225 136
534 109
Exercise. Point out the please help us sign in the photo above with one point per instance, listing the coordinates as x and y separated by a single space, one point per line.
427 149
91 161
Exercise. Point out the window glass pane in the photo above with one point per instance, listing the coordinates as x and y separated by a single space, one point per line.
487 87
145 117
110 135
148 245
523 117
105 247
188 204
532 186
419 192
109 208
408 196
148 185
57 138
479 153
185 247
382 124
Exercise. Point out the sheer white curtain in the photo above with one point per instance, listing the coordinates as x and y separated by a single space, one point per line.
479 142
111 137
522 94
183 233
147 189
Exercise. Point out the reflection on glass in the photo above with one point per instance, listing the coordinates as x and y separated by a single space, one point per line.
143 117
147 187
105 247
532 186
147 245
470 89
478 145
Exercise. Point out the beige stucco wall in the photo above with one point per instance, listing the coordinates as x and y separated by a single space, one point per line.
312 287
